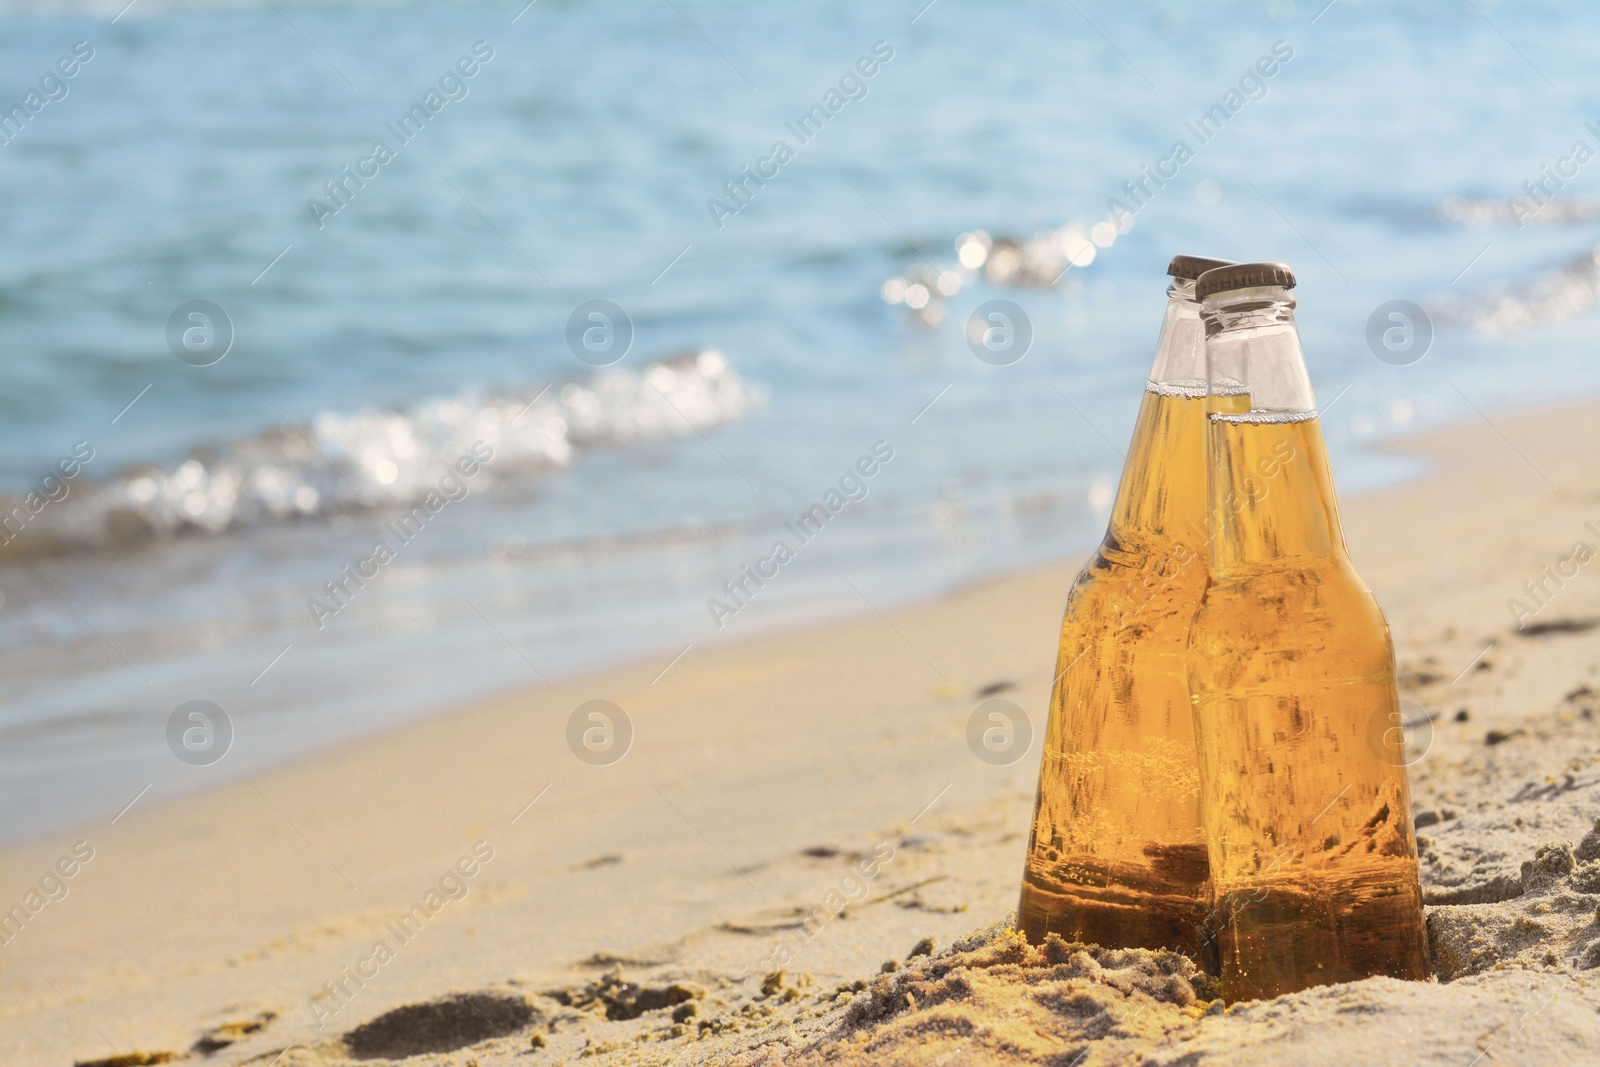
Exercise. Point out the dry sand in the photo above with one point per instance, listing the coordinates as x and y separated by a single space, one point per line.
654 911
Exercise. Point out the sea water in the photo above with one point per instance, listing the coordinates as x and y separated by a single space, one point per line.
382 331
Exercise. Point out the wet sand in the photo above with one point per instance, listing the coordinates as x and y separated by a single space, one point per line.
800 860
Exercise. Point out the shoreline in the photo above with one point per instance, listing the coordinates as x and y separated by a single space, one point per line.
809 615
761 774
270 752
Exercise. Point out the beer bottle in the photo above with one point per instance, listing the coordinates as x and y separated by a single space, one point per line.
1291 670
1116 855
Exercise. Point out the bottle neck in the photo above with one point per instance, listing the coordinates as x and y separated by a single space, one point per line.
1270 496
1162 492
1269 492
1253 348
1180 362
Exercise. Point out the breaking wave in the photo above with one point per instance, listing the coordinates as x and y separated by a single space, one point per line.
1549 296
1484 212
345 462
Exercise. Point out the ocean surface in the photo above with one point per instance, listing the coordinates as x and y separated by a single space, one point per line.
278 276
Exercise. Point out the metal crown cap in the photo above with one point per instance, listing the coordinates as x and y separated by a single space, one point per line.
1189 268
1243 276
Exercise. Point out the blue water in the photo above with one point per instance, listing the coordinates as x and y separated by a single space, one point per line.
576 164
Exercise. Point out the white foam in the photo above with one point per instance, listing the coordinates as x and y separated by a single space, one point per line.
1549 296
1480 212
1189 388
1252 418
347 461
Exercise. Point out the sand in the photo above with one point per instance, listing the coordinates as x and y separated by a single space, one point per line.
800 860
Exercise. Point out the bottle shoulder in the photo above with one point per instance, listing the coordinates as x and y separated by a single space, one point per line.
1327 586
1126 585
1317 612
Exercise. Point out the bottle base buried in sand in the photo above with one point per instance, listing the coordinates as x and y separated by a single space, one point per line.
1300 935
1161 905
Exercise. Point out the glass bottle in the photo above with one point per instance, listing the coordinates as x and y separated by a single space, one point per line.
1116 855
1291 670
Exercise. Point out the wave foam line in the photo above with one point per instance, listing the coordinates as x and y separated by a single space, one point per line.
344 462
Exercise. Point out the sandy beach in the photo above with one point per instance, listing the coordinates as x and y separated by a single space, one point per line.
799 860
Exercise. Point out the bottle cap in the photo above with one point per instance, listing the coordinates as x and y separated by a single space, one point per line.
1243 276
1189 268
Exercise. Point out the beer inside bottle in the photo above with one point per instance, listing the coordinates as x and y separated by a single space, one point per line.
1117 855
1291 670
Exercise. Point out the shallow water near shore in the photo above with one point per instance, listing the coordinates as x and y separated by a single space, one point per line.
431 312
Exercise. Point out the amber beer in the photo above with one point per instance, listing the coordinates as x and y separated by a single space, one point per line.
1291 669
1117 855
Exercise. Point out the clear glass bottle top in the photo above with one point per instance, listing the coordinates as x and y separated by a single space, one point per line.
1180 364
1252 347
